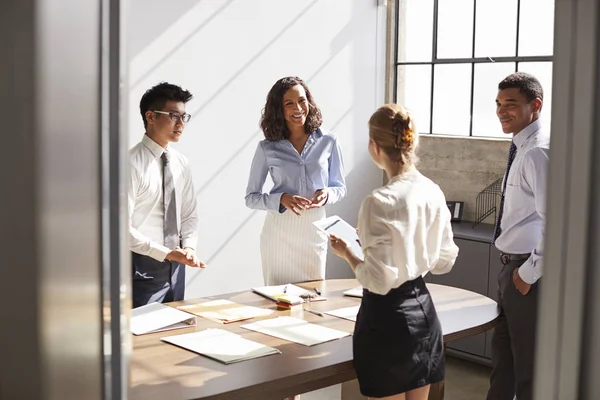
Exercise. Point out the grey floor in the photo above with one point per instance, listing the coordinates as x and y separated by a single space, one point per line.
464 381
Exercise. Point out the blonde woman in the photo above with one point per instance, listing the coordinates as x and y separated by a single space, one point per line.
405 232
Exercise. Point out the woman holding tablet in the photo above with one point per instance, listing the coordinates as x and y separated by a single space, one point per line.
405 232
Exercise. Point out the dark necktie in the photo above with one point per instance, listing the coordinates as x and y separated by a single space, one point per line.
511 156
171 233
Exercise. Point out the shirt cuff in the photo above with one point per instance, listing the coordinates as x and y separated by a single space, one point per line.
159 252
528 273
274 202
190 242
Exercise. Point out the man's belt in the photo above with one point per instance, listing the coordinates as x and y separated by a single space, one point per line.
505 258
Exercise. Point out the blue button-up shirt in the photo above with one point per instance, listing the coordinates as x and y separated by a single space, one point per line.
319 166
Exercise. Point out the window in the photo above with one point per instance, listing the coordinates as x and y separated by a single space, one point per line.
451 55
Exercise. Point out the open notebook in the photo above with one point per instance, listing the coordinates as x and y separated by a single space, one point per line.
221 345
272 292
225 311
157 317
295 330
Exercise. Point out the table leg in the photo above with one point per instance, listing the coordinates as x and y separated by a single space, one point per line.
351 391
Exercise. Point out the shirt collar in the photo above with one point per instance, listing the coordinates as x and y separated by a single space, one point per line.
155 148
520 139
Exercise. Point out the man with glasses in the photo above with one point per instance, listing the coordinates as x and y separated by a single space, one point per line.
163 220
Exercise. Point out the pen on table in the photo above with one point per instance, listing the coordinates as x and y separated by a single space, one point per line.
315 312
317 291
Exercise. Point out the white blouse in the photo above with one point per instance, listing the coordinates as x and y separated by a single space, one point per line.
405 232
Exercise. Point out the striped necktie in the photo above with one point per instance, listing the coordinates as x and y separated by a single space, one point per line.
171 233
511 156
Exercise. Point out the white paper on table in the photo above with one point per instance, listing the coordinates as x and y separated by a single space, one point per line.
272 292
225 311
296 330
349 313
157 317
354 292
221 345
340 228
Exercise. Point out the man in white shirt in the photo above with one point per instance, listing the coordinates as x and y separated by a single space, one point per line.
519 236
163 219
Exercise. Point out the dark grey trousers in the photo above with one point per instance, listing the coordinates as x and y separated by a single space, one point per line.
513 343
155 281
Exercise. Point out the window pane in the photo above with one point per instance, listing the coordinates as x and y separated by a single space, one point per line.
543 72
415 30
496 28
485 89
414 92
536 28
452 99
455 29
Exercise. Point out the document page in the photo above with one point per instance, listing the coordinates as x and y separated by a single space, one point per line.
348 313
296 330
354 292
221 345
225 311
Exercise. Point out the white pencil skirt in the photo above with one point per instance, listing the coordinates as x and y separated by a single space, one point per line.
292 249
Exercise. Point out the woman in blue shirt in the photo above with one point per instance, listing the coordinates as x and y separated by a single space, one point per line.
306 167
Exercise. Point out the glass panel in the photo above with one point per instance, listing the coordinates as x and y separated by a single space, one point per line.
543 72
414 92
496 28
455 29
452 99
415 30
485 89
536 28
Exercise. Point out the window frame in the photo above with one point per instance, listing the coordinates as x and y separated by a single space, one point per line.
471 60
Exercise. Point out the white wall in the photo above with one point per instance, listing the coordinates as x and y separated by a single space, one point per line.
229 53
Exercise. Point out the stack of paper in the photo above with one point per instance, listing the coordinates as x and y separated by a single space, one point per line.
221 345
355 292
273 292
340 228
225 311
295 330
348 313
157 317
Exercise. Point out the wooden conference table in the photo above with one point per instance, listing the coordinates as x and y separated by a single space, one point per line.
163 371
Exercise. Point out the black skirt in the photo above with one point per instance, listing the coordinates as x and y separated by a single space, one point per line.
398 343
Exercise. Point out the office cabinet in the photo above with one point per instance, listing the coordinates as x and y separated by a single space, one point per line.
470 272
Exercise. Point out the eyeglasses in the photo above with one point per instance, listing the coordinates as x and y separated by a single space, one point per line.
175 116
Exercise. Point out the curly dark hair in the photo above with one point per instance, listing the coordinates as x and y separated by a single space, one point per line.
156 97
526 83
272 121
